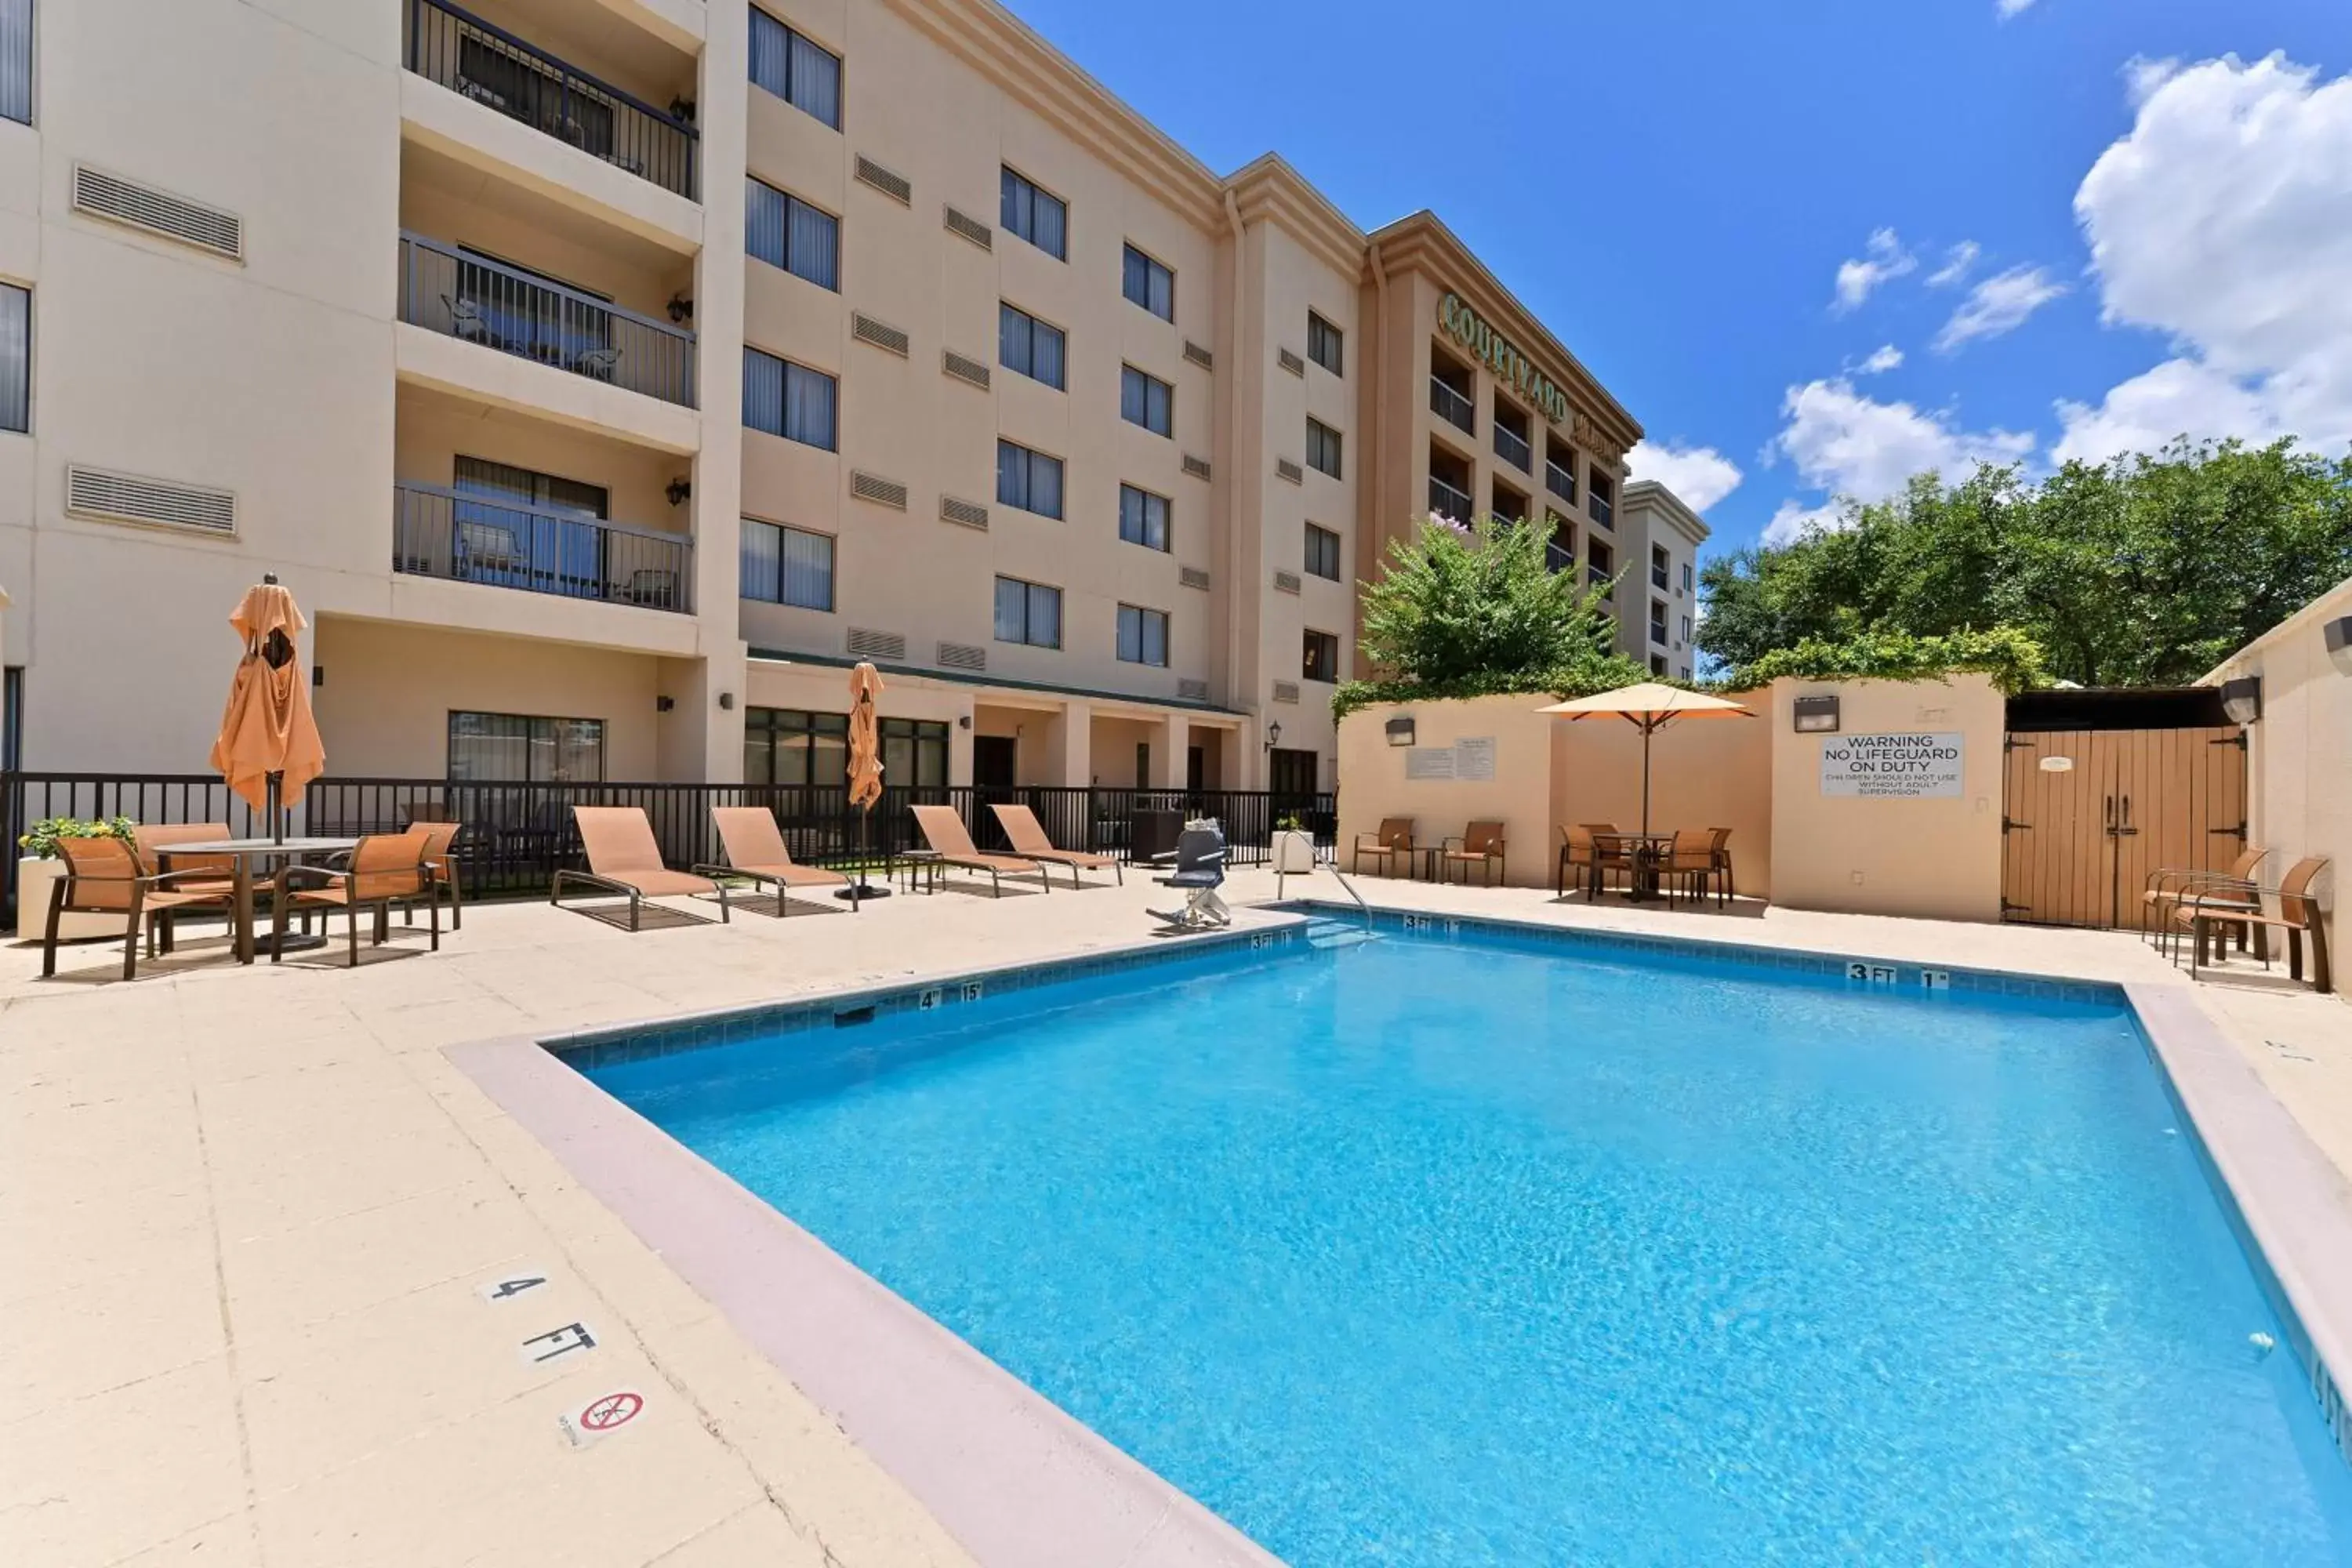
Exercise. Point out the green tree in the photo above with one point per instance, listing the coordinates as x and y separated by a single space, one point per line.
1460 602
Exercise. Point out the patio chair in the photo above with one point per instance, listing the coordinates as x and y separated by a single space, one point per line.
951 844
441 867
754 847
1199 858
1611 853
1578 853
1690 860
201 874
1027 836
466 323
2208 913
106 876
2166 887
624 861
1394 838
597 364
1480 845
384 869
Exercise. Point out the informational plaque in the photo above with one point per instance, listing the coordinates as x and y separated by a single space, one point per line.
1474 758
1429 763
1892 767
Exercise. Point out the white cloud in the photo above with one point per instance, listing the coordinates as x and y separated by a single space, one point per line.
1882 260
1856 448
1701 475
2225 220
1794 520
2005 9
1957 262
1998 304
1885 357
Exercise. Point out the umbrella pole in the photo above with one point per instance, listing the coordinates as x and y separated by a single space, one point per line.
271 784
1647 731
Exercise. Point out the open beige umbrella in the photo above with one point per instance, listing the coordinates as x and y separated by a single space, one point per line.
865 767
268 745
1652 705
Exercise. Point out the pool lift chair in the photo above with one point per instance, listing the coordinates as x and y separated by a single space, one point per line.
1200 858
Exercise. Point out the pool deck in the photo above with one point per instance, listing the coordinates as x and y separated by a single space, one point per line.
248 1220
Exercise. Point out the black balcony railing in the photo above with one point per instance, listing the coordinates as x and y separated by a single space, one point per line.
1559 558
1512 447
1452 406
514 835
498 71
478 300
1448 500
1559 480
466 538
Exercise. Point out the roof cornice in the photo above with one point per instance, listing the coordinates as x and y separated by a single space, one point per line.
1268 190
1653 494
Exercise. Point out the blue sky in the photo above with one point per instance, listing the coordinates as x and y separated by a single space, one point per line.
1678 191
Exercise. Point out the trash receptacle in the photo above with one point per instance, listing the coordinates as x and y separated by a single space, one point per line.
1153 831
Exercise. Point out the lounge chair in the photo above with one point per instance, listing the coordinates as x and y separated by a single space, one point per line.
944 831
384 869
1199 858
1027 836
106 876
2207 914
755 851
2170 885
1394 838
1481 845
624 861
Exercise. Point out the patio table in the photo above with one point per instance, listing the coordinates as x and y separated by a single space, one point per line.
242 854
1643 849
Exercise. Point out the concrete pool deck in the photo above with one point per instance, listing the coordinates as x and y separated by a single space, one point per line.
255 1222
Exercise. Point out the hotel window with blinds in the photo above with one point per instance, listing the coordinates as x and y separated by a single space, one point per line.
1146 283
785 231
1031 347
1038 217
787 565
1142 518
16 358
805 75
1147 400
1029 480
1142 636
789 400
16 60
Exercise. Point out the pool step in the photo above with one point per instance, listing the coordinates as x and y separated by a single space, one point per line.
1323 932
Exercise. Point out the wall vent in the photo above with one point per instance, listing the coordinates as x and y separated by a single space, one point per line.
971 514
964 368
1199 355
878 489
1290 361
131 497
1284 468
1285 691
970 228
1285 582
962 656
1192 690
101 194
867 643
1192 577
1196 466
895 187
881 334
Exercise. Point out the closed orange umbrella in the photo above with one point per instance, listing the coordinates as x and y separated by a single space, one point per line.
268 745
865 768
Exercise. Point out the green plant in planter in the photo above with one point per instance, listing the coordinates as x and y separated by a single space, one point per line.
1289 821
41 843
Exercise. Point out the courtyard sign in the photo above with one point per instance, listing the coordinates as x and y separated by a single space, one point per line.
1892 767
1499 354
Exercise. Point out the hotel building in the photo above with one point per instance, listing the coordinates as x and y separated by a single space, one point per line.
604 376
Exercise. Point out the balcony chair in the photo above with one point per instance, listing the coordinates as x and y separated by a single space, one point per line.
466 321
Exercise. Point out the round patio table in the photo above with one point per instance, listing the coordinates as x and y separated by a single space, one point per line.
243 853
1643 849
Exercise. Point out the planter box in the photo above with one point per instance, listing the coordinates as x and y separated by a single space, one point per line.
34 881
1293 852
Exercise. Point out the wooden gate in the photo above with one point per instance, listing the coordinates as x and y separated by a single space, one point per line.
2089 813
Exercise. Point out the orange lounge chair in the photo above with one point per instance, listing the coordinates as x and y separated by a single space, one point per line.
943 830
755 850
1028 838
624 861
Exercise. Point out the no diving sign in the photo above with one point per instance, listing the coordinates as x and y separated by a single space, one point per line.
601 1417
1895 767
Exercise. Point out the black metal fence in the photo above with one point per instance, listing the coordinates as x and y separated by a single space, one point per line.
471 538
516 835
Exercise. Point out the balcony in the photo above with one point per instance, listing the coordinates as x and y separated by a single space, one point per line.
1453 407
463 538
1446 501
500 71
478 300
1558 559
1513 448
1598 577
1559 480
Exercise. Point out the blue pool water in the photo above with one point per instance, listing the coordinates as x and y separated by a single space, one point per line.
1469 1252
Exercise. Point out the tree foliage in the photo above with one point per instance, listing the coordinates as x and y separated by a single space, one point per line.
2007 655
2144 571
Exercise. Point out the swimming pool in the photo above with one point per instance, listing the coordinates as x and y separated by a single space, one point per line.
1474 1250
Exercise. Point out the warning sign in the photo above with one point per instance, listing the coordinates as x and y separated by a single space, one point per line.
601 1417
1895 767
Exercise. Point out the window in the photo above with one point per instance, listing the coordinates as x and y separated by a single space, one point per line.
1600 495
1322 447
1657 620
1146 283
513 535
1657 664
1687 576
785 231
16 358
803 74
1142 518
1142 636
1028 612
787 565
789 400
1511 436
1599 559
1560 471
1322 661
1685 631
16 60
1146 400
512 748
1028 345
1322 552
1323 345
1509 505
1661 567
1027 480
1042 220
787 746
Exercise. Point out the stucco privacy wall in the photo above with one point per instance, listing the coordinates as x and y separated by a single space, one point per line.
1704 773
1373 785
2299 753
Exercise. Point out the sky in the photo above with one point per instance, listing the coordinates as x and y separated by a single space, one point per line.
1818 246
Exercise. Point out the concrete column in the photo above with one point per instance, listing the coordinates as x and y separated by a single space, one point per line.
1168 752
1074 741
722 113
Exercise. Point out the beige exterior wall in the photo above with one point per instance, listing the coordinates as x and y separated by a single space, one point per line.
1520 795
1653 520
2299 753
1704 773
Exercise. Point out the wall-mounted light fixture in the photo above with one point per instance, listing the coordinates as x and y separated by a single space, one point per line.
1400 731
1274 735
2242 699
682 309
664 703
726 700
963 721
1817 715
2338 634
318 675
677 492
